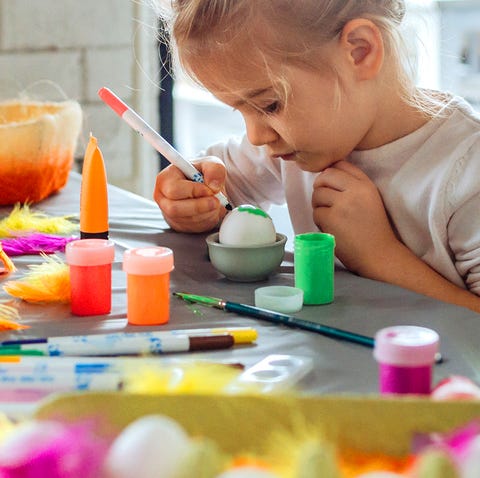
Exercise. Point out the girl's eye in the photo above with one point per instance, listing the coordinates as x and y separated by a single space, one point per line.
272 107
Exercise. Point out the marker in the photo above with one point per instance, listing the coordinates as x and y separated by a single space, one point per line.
10 352
134 346
152 137
241 335
93 194
43 364
27 388
60 381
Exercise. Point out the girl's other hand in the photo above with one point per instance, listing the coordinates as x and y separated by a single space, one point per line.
188 206
347 204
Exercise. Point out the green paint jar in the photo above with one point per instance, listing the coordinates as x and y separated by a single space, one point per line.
314 264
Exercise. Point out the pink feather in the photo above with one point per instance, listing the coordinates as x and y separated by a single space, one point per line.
35 244
49 449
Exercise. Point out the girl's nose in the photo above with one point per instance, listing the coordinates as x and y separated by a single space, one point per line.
259 132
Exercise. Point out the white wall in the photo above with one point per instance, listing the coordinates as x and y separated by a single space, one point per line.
56 49
460 48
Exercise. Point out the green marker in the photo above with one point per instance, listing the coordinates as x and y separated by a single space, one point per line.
17 350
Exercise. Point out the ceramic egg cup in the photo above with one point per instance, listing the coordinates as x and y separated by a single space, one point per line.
246 263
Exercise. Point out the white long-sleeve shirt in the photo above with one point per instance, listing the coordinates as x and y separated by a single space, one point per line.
429 182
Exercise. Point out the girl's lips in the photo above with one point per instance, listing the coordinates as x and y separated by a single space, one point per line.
285 157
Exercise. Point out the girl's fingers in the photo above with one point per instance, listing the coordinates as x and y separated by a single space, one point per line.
188 208
214 172
350 169
172 184
324 197
341 176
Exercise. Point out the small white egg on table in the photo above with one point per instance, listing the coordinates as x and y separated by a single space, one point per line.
247 225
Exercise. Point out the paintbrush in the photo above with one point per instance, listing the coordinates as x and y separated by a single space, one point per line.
278 318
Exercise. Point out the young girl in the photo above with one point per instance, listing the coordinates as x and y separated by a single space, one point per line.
337 130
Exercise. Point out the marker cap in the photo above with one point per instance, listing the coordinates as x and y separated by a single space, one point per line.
90 252
148 260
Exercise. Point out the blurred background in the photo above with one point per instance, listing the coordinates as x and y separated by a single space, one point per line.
54 50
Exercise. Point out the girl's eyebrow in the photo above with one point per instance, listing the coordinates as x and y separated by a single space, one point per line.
249 96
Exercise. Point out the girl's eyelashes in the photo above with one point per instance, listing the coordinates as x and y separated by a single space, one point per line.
271 108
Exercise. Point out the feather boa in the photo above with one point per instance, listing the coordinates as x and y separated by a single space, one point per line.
35 243
46 282
23 219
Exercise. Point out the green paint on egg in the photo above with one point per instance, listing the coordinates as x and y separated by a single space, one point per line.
252 210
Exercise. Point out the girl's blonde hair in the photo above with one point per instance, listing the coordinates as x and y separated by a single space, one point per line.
290 30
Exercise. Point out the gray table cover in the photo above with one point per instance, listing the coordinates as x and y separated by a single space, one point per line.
361 305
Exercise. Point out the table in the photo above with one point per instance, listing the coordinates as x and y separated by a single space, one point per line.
361 305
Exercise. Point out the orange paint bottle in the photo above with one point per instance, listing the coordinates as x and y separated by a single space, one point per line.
148 284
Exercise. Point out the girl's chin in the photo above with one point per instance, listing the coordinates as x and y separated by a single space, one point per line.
312 166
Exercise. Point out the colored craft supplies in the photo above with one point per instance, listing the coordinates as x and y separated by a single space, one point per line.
90 263
314 267
148 284
405 356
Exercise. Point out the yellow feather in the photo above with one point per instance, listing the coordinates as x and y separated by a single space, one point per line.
23 219
7 427
188 378
8 265
46 282
8 318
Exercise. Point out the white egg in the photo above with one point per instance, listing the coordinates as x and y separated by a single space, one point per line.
150 447
247 472
247 225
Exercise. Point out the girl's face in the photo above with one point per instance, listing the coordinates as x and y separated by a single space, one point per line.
323 116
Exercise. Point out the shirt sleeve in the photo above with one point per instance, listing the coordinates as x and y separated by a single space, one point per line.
464 233
464 223
252 176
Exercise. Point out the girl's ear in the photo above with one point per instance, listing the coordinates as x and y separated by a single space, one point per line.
362 40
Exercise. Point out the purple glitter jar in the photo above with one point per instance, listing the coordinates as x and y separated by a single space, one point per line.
405 355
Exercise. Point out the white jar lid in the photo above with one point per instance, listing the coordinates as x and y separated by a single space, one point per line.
279 298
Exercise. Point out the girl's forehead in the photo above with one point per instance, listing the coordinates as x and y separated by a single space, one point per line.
232 77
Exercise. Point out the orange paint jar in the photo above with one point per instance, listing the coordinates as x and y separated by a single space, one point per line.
90 264
148 284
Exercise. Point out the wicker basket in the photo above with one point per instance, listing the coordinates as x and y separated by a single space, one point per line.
37 144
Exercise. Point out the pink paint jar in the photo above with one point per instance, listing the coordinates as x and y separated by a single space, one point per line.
406 355
148 284
90 262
